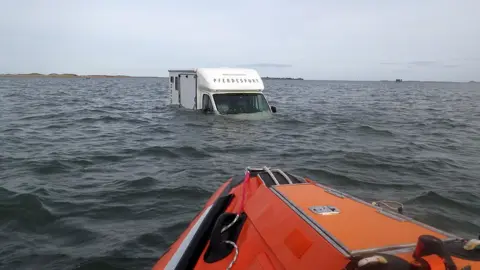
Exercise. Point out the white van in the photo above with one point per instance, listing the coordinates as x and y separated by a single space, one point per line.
224 91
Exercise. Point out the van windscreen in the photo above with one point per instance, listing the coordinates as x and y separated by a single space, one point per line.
236 103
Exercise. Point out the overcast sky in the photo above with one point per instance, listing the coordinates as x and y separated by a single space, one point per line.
314 39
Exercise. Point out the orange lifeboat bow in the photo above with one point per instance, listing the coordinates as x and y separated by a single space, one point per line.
270 219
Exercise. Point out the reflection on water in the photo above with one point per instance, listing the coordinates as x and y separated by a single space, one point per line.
249 116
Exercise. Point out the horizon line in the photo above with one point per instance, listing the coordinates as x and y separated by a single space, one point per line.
74 75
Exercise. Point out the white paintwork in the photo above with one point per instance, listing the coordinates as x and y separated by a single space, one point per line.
188 93
172 264
229 79
175 94
194 83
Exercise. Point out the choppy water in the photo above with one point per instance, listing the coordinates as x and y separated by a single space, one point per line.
102 174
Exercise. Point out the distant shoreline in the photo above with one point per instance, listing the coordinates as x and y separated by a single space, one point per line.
282 78
72 75
67 75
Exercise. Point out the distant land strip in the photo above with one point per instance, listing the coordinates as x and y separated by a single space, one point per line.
71 75
281 78
68 75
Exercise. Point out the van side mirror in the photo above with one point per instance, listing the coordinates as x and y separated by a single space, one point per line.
274 109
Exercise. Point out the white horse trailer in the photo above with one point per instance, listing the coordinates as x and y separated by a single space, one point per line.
224 91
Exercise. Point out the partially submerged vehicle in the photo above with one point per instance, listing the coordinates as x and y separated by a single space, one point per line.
224 91
271 219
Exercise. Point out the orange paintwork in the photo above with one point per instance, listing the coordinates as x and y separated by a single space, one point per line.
163 261
358 226
253 253
274 236
437 263
277 225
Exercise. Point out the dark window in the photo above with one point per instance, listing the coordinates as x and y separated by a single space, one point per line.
171 79
207 104
177 83
240 103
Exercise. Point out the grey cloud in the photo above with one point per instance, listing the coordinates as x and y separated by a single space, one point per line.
423 63
390 63
412 63
285 38
266 65
473 59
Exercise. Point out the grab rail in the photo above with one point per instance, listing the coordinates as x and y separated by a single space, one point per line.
284 175
270 173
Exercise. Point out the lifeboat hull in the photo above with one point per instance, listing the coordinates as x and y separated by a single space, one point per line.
270 219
